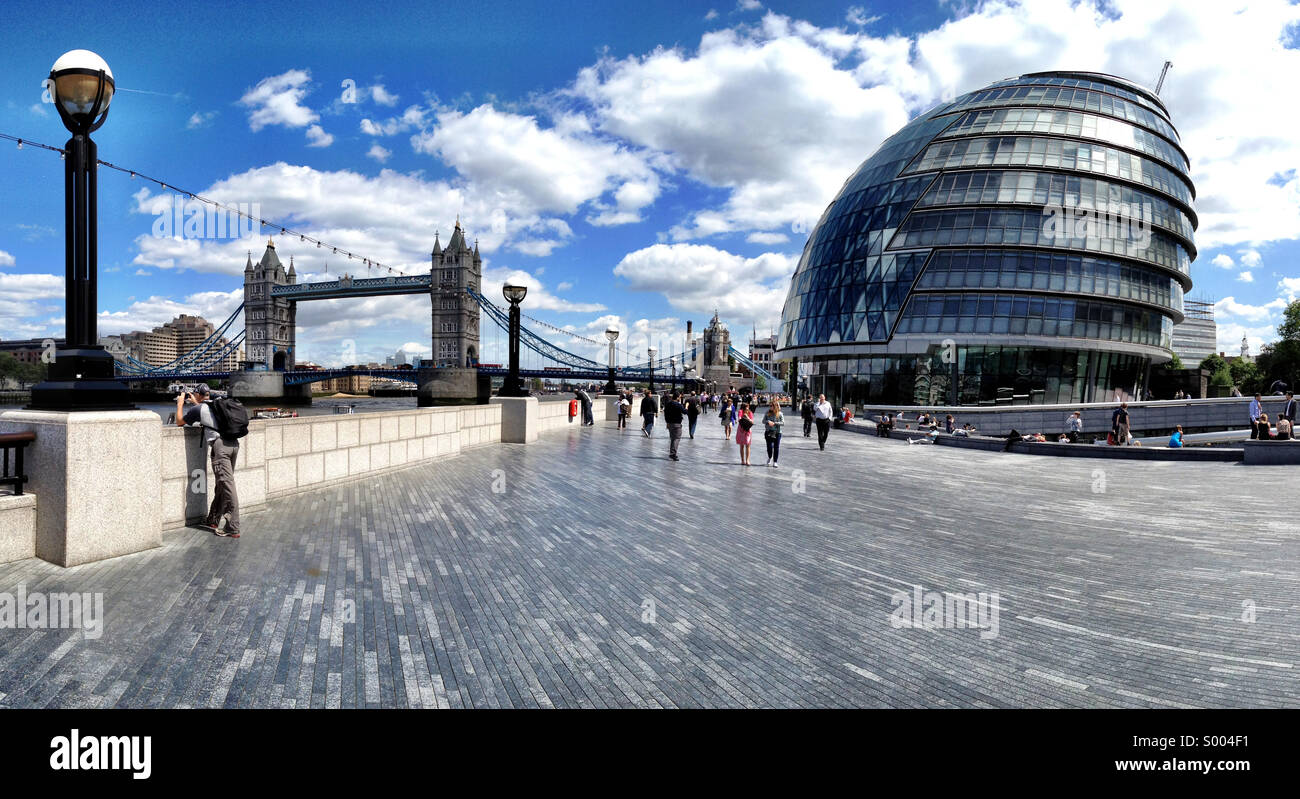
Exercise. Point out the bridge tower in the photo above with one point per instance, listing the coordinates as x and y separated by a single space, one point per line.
455 313
453 379
269 322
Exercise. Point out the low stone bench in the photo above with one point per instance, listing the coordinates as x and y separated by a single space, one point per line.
1272 453
1052 448
17 527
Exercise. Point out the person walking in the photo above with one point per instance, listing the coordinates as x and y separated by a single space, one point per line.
624 409
744 432
822 412
649 409
1073 427
806 411
674 412
1119 424
1256 408
692 413
726 415
773 421
223 515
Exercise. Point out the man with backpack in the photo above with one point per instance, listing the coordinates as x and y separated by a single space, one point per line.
224 422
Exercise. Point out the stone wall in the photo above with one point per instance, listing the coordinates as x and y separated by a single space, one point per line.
1150 418
17 527
285 456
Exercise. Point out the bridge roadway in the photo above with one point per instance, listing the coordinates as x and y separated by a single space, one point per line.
1120 584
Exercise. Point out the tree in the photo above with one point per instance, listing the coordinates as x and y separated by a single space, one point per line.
760 384
1176 362
1245 374
1279 361
1213 362
1289 330
537 384
1221 377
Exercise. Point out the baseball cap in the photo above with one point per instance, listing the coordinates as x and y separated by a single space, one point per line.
202 389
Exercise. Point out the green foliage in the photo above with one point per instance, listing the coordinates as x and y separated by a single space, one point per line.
537 384
23 373
1176 363
1221 377
1245 374
760 383
1279 361
1213 362
1289 330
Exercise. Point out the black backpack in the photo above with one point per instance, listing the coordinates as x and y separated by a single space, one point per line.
231 418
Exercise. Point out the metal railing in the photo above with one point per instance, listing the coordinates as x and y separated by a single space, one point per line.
15 442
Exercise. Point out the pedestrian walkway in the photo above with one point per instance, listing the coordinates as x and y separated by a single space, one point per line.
588 570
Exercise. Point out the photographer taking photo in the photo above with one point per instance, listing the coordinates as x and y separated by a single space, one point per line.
222 435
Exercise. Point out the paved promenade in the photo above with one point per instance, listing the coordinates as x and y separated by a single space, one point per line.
587 570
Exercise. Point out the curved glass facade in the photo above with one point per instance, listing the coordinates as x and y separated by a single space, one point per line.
1028 242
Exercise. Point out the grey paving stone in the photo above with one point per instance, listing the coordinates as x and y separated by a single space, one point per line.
1120 584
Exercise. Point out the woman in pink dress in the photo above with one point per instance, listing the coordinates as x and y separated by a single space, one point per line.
744 432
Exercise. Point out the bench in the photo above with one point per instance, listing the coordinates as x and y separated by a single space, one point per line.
15 442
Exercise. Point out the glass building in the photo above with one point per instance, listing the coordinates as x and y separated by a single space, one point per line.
1029 242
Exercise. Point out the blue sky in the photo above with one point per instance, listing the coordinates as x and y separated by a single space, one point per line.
637 164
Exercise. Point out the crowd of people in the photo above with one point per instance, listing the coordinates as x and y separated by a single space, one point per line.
737 414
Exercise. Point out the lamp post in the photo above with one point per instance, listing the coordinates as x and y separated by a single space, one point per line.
81 376
651 352
512 387
612 335
673 363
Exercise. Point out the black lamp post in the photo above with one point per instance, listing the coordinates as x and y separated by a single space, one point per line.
651 352
81 377
513 387
673 363
612 335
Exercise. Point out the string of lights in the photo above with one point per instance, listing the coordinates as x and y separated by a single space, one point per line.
285 230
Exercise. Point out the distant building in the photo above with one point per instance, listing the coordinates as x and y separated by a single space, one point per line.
347 384
27 350
762 351
396 359
181 336
1196 337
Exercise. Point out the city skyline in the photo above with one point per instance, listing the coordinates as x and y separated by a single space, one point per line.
630 175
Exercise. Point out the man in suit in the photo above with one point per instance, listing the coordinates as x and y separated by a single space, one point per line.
1289 409
649 409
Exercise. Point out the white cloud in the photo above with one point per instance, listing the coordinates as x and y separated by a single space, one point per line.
1223 261
1246 277
1250 258
705 110
413 117
767 238
857 15
748 5
378 152
26 297
200 119
6 259
713 14
1228 307
698 278
277 100
563 285
317 137
523 165
382 96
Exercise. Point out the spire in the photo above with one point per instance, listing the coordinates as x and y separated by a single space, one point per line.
291 272
437 247
457 243
248 267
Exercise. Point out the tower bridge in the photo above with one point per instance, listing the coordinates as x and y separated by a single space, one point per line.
455 375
